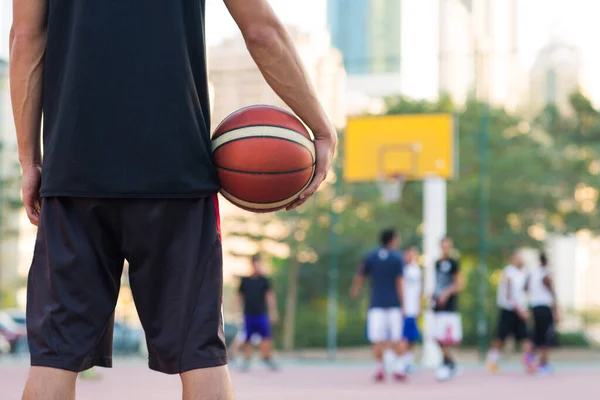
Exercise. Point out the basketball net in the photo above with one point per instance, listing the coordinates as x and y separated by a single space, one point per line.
391 188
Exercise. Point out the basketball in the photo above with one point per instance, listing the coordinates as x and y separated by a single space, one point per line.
265 157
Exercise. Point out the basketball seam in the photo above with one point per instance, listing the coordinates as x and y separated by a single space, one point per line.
273 204
264 137
265 173
262 125
299 142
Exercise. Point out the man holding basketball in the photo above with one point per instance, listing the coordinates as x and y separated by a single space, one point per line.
127 173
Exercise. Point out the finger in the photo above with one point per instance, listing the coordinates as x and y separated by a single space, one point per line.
32 208
33 215
308 192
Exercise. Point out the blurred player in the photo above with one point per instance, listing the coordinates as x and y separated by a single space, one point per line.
383 267
448 324
258 301
412 279
512 315
542 300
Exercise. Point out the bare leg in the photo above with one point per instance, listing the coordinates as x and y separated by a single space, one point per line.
528 357
248 349
400 364
493 355
378 349
266 348
207 384
50 384
544 355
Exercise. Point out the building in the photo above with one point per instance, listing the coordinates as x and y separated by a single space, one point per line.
575 262
457 42
458 47
555 75
368 34
237 82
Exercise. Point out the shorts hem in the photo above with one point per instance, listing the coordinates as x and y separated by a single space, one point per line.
58 363
200 364
125 195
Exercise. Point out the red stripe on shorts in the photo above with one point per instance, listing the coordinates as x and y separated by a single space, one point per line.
217 214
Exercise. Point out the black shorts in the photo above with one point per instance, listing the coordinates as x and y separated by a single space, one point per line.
544 334
510 324
174 254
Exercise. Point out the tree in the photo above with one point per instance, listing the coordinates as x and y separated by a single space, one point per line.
542 176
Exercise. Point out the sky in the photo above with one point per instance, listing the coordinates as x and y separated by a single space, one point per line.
575 21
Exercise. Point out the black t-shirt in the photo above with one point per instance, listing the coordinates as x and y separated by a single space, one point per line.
445 271
254 290
125 100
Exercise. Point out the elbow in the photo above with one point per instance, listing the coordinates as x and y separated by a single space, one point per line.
265 39
26 40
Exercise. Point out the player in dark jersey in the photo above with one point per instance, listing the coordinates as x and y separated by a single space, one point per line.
383 267
257 299
448 325
542 300
128 173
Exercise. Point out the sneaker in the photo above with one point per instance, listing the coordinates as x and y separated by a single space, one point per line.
400 376
245 366
455 370
444 373
271 365
491 366
379 376
411 369
529 362
544 370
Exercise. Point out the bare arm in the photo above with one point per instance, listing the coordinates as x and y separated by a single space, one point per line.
240 303
400 288
275 55
456 287
357 285
548 283
27 49
272 304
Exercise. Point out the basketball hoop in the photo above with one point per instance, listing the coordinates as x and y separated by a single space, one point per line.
391 188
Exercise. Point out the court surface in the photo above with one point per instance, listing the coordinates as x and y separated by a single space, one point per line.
132 381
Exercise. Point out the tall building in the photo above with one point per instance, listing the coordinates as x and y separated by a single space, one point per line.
368 34
555 75
457 40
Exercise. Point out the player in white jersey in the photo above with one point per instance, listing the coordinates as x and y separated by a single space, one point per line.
512 313
542 300
412 292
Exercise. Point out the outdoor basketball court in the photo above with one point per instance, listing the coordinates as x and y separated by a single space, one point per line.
132 380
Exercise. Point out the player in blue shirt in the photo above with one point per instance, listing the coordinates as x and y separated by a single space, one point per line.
383 267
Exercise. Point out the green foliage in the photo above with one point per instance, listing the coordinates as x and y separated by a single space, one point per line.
573 339
535 169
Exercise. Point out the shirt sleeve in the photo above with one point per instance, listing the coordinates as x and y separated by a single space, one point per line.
241 288
400 271
455 267
267 284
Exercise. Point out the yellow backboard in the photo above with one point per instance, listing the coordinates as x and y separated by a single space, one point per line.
416 146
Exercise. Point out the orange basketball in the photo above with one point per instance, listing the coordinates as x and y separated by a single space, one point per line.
265 158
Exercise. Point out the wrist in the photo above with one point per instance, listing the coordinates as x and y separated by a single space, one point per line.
30 161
